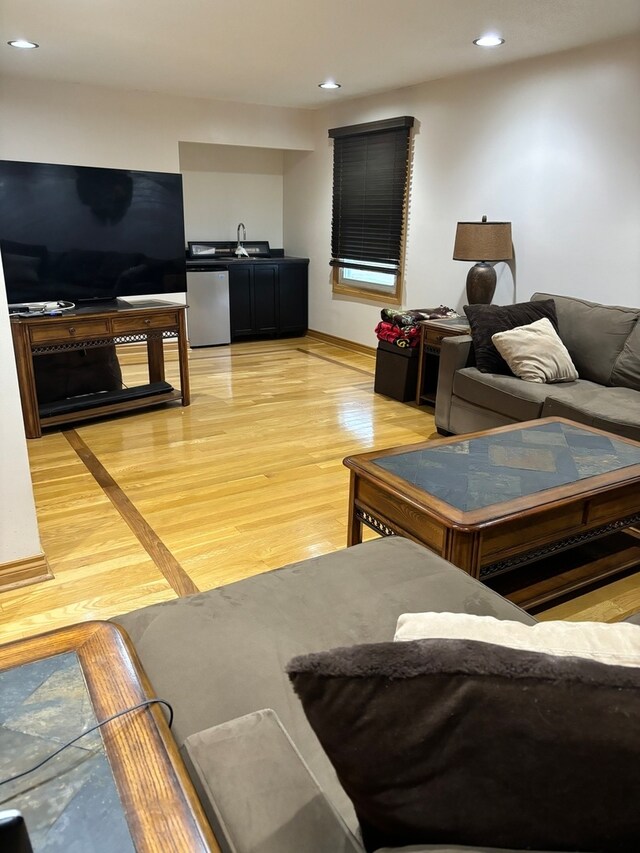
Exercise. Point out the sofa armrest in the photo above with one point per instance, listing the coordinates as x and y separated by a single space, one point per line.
258 792
455 353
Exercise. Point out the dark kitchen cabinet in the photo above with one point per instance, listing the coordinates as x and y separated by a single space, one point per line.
265 298
268 298
293 297
241 311
253 299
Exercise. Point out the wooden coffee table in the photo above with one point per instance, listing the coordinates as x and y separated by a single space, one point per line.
124 790
529 494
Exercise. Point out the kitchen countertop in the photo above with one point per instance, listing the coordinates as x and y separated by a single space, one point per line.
224 263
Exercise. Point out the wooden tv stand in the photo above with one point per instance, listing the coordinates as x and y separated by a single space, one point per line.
151 322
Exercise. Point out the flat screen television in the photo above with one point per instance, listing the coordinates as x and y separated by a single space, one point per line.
84 234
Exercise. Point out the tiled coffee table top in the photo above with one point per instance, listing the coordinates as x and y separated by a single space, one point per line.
478 472
71 803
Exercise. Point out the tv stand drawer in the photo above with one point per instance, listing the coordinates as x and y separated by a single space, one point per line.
142 320
67 329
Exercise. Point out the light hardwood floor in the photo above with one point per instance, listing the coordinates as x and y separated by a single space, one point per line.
140 508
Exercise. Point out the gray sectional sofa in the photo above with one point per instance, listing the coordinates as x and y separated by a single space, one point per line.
604 344
219 657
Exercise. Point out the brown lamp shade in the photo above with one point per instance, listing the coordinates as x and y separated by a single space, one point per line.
483 241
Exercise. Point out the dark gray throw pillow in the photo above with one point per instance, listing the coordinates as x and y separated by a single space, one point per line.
463 742
486 320
71 374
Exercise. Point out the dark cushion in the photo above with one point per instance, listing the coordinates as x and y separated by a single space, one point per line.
486 320
463 742
71 374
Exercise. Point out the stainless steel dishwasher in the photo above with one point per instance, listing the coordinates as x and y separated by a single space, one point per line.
208 300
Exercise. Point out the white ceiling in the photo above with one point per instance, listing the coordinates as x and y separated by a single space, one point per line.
277 51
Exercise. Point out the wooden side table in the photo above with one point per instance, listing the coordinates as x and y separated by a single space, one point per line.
155 807
432 333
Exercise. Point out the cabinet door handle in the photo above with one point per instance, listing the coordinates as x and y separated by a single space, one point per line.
72 330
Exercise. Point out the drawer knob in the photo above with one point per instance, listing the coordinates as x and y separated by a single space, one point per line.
72 330
147 322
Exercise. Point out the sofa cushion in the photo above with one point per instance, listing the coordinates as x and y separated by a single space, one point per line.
626 370
466 417
486 320
617 644
221 654
615 410
471 743
535 353
258 793
594 334
506 395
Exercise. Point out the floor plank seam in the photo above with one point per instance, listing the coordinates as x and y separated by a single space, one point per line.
334 361
164 560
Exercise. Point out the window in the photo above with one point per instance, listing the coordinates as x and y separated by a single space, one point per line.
370 192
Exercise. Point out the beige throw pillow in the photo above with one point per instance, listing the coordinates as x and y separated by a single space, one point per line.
535 353
617 644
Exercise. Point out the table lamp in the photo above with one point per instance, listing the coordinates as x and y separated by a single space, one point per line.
483 242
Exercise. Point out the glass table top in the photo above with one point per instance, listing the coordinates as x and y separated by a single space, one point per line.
478 472
71 803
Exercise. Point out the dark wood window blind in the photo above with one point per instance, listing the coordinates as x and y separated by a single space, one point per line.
370 174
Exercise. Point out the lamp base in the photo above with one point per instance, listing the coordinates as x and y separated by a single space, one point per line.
481 284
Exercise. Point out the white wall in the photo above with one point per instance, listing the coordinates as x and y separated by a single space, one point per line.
553 145
225 185
98 126
19 536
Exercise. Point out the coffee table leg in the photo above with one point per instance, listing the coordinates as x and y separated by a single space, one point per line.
464 551
354 532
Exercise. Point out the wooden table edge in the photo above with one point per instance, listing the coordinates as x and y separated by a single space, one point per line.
158 799
496 513
481 433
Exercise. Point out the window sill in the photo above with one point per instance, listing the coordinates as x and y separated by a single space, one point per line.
370 294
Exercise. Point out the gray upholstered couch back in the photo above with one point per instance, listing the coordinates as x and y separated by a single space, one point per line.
603 340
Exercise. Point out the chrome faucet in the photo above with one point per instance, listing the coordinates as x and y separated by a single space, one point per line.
240 250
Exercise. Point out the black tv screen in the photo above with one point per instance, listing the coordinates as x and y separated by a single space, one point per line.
79 233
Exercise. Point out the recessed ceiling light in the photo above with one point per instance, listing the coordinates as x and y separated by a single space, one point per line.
23 44
329 84
488 41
